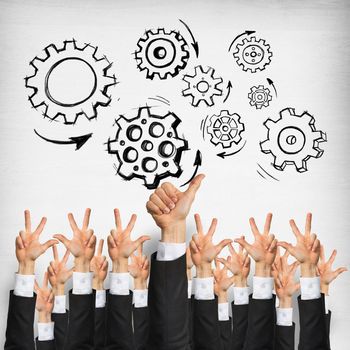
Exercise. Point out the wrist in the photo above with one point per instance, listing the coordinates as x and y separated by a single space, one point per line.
81 265
26 267
325 288
174 233
222 297
120 265
140 284
240 282
59 289
204 271
44 317
97 284
262 269
189 274
285 303
308 270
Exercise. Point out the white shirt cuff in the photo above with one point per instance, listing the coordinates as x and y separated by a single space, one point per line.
241 295
140 298
170 251
189 289
100 301
82 283
223 312
327 303
119 283
262 287
310 288
204 288
284 317
46 331
59 306
24 285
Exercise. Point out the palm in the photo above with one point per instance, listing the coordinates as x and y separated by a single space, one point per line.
45 298
97 267
237 263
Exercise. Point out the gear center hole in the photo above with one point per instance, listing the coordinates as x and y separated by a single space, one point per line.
203 86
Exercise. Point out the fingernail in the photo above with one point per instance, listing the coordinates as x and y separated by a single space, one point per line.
174 199
166 210
172 205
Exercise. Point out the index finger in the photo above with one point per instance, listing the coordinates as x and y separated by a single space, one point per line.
308 223
199 225
100 247
86 219
267 225
253 227
131 223
212 227
72 222
41 226
117 219
55 253
27 221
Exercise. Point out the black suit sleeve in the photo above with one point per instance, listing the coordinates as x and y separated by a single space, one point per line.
225 334
261 324
284 338
206 330
81 322
239 326
119 322
168 305
60 330
313 325
20 320
328 326
45 345
100 328
141 327
190 320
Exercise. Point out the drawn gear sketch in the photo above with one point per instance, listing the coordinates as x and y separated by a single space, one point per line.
98 67
148 147
253 55
225 129
202 86
292 139
162 53
259 96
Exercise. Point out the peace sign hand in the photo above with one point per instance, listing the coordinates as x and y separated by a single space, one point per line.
44 300
99 266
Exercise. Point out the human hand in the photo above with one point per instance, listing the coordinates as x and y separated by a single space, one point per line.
189 264
169 208
99 267
264 248
120 245
58 273
28 247
222 282
238 264
285 285
83 243
44 300
139 269
307 249
203 251
325 271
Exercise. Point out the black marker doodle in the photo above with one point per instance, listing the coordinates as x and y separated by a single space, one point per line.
161 53
229 87
225 129
194 42
70 81
79 141
224 155
148 147
197 163
247 32
272 84
262 172
202 86
292 139
253 55
259 96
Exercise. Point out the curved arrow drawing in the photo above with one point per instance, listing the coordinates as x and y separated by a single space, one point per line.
229 87
194 42
272 84
224 154
197 163
247 32
79 141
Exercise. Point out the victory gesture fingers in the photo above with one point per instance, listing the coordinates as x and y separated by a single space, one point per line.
83 243
99 267
120 245
44 300
28 247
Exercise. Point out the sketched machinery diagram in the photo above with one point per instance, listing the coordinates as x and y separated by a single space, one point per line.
83 59
259 96
225 129
253 55
202 86
162 53
148 147
292 139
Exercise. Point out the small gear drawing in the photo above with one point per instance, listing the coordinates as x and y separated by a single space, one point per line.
148 147
259 96
225 129
202 86
161 53
253 55
55 58
292 139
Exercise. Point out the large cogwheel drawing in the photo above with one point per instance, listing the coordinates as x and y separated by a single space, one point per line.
253 55
292 139
70 81
259 96
148 147
202 86
225 129
162 53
